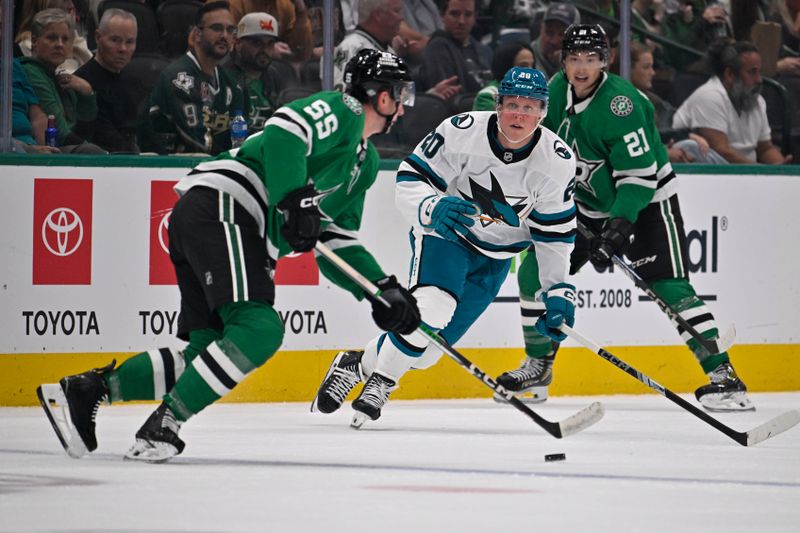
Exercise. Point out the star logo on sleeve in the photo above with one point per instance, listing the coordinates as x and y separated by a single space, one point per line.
494 204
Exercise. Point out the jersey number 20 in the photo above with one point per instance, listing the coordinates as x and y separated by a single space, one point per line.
325 122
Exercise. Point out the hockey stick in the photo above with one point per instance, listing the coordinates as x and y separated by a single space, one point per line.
713 346
570 425
777 425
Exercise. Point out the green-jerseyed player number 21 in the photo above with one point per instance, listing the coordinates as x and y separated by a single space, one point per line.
636 142
325 122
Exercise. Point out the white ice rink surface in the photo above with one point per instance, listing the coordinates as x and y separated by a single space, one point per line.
425 466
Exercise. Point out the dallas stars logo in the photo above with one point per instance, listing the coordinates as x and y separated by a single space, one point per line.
494 205
585 169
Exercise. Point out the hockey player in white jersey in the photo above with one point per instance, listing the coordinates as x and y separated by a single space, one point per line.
478 190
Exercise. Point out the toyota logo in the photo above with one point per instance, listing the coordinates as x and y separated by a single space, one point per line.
163 235
65 228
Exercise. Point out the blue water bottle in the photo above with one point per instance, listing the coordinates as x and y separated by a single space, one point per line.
238 129
51 133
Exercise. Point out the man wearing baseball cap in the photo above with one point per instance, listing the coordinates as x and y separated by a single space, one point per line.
547 47
250 64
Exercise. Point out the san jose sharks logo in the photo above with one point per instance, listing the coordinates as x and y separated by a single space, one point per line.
495 207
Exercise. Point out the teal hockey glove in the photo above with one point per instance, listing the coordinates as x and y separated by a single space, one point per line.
617 235
447 215
559 304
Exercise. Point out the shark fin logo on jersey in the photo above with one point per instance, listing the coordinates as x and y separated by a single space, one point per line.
561 149
462 121
621 106
494 205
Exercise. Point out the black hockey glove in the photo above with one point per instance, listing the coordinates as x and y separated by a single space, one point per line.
617 235
402 315
302 225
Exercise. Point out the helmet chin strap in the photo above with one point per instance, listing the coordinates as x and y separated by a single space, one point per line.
389 118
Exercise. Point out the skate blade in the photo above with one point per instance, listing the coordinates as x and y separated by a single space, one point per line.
530 396
331 368
358 420
54 403
146 451
727 403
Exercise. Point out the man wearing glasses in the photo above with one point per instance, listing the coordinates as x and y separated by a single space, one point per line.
193 103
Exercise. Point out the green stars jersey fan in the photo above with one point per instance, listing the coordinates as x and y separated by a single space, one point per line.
317 139
190 111
622 164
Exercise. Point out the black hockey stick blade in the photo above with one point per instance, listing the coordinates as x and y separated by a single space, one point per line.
769 429
575 423
712 346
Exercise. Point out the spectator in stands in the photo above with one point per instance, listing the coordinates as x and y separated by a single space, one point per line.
508 55
696 25
28 121
728 110
115 126
693 149
69 98
78 51
648 15
250 63
316 18
454 52
421 20
378 30
788 16
292 17
547 47
191 106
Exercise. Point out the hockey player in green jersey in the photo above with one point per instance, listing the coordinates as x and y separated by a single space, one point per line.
303 178
626 194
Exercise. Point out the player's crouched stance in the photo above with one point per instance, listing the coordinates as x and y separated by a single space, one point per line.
236 215
477 191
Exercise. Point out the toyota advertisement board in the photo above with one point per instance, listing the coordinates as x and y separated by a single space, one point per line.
86 267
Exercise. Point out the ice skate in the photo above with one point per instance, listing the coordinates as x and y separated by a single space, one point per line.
71 406
530 381
725 393
372 398
343 375
157 440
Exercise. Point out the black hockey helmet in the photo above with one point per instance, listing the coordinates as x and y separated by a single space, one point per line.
585 38
370 71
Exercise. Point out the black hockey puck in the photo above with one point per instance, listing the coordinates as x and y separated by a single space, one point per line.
555 457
